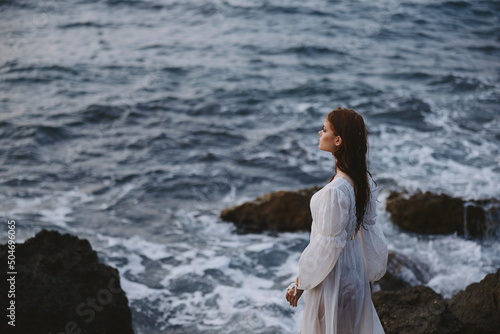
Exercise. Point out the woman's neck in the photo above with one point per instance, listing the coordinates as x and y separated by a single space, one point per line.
341 174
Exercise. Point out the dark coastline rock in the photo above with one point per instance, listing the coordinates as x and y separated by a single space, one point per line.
280 211
426 213
479 304
430 213
415 309
419 309
403 272
60 287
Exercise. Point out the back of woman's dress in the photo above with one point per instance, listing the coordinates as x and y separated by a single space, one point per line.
332 269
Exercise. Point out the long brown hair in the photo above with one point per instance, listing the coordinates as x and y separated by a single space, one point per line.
351 155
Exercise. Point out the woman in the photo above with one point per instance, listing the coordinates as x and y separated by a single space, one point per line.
347 250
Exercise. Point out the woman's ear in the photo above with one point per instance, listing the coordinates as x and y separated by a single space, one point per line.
338 141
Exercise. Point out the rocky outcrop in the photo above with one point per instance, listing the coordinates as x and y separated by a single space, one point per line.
479 304
60 287
427 213
430 213
415 309
419 309
281 211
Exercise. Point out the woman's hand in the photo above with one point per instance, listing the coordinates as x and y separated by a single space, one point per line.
293 295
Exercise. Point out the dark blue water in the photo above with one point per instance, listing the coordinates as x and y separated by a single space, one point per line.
133 123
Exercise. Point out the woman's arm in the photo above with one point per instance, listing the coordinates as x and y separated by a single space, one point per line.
323 251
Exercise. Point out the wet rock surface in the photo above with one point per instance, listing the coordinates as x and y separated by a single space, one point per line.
479 304
280 211
419 309
61 287
426 213
430 213
415 309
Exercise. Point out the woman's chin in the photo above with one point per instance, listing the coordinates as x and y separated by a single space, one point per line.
323 149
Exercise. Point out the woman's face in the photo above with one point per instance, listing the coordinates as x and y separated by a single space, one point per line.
328 141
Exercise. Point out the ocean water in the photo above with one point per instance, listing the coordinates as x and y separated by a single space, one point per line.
133 123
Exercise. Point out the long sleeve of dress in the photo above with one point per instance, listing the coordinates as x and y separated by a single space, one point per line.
375 251
328 238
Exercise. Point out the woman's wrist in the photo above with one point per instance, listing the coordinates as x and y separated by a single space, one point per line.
297 283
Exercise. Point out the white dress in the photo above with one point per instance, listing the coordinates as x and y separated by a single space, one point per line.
332 268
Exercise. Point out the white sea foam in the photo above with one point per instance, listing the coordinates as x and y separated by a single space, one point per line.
422 164
252 298
260 247
139 246
137 291
49 210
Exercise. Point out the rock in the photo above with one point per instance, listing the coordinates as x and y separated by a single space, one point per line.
479 304
60 287
281 211
415 309
441 214
419 309
403 272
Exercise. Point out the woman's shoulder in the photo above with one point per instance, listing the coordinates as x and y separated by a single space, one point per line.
340 186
